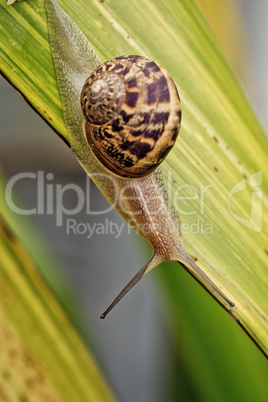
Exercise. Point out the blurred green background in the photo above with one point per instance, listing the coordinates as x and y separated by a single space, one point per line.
163 348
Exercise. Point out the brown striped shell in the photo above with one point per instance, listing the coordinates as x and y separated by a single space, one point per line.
132 115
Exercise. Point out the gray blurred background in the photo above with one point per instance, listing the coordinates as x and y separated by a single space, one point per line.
96 269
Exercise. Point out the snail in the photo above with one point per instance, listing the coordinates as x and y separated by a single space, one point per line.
128 122
132 116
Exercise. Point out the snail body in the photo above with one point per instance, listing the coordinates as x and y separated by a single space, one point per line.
130 121
118 131
132 116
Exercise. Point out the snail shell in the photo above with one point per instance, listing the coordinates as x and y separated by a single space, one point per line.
132 115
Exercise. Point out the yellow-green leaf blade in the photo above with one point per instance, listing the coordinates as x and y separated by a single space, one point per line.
42 356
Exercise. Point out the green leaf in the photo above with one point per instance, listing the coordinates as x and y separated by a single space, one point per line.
220 159
40 349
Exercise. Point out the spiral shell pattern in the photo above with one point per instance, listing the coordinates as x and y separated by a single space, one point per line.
132 115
